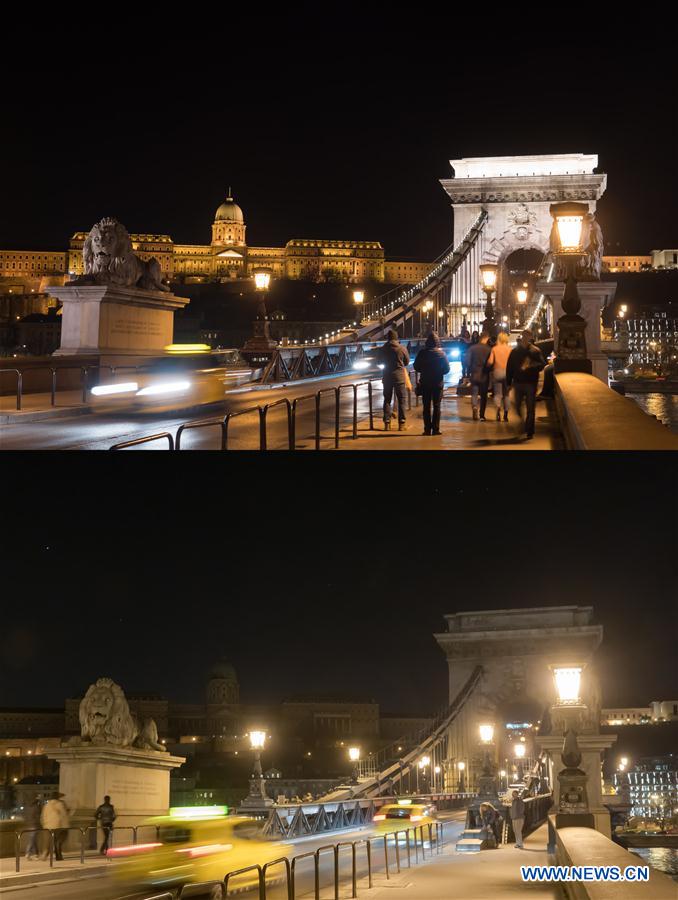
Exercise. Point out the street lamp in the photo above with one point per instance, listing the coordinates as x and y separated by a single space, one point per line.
519 752
257 796
464 325
358 300
567 246
354 756
488 282
436 780
521 297
261 339
461 767
573 794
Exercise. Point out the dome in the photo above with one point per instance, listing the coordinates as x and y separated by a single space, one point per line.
229 211
223 669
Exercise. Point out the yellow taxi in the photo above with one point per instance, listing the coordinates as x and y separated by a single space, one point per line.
406 813
175 380
197 844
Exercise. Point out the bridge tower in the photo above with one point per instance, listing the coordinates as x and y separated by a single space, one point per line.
515 648
516 192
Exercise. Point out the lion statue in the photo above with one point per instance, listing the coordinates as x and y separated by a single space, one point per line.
105 718
109 259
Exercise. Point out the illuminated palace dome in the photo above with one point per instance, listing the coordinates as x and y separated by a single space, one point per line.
222 683
228 229
229 211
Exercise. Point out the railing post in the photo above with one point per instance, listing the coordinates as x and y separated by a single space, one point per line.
386 856
369 396
336 872
316 874
17 844
317 421
293 425
409 854
82 846
263 413
369 864
337 411
354 873
397 850
19 389
54 374
291 442
355 411
84 378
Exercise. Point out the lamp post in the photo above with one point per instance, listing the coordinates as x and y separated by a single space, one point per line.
519 752
571 351
423 763
521 297
573 795
261 339
487 783
257 796
461 766
488 282
436 779
354 756
358 300
464 324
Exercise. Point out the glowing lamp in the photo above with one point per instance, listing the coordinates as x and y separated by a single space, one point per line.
486 733
503 773
569 221
440 313
624 761
262 279
257 739
354 754
461 766
624 307
519 751
568 681
488 276
358 297
464 310
437 770
521 295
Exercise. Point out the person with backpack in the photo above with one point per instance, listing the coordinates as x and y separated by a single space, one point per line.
522 374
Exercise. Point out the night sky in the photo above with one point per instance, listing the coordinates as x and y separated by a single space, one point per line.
340 132
324 574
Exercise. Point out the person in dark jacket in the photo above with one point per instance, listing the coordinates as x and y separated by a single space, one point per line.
522 374
478 356
474 339
518 818
105 814
395 359
31 825
432 365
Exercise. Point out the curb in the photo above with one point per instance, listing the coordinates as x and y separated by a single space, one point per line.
52 876
59 412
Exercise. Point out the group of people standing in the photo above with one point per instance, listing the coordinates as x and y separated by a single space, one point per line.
55 816
487 364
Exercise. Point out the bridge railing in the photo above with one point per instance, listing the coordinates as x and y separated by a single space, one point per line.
338 416
367 858
83 383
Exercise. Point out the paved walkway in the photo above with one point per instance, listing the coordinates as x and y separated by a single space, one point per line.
488 875
460 432
39 871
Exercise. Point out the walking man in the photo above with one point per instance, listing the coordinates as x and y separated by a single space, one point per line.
522 373
106 815
478 357
394 359
518 819
32 824
56 818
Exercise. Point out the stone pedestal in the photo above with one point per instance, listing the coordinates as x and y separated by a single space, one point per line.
137 781
105 320
594 296
591 747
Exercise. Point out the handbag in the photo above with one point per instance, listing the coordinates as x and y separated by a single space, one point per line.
408 381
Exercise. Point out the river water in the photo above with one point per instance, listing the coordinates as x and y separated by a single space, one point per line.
663 406
664 859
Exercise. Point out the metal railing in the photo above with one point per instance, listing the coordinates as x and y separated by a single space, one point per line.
413 838
87 838
85 377
291 409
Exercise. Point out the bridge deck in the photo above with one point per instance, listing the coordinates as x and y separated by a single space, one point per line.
488 875
460 432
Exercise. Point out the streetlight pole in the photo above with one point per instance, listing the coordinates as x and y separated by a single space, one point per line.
571 349
257 797
261 340
488 281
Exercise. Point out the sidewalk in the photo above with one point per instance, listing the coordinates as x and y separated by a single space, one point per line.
459 431
488 875
36 407
39 871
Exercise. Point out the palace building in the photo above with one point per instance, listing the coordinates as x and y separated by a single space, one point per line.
226 257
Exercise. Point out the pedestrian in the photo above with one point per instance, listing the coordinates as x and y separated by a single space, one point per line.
394 360
498 360
432 365
518 818
106 815
56 818
470 342
478 363
32 823
522 374
490 819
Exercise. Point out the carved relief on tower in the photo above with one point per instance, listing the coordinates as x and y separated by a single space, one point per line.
522 222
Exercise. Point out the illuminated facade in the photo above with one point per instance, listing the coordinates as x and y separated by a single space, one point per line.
652 786
226 257
627 263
